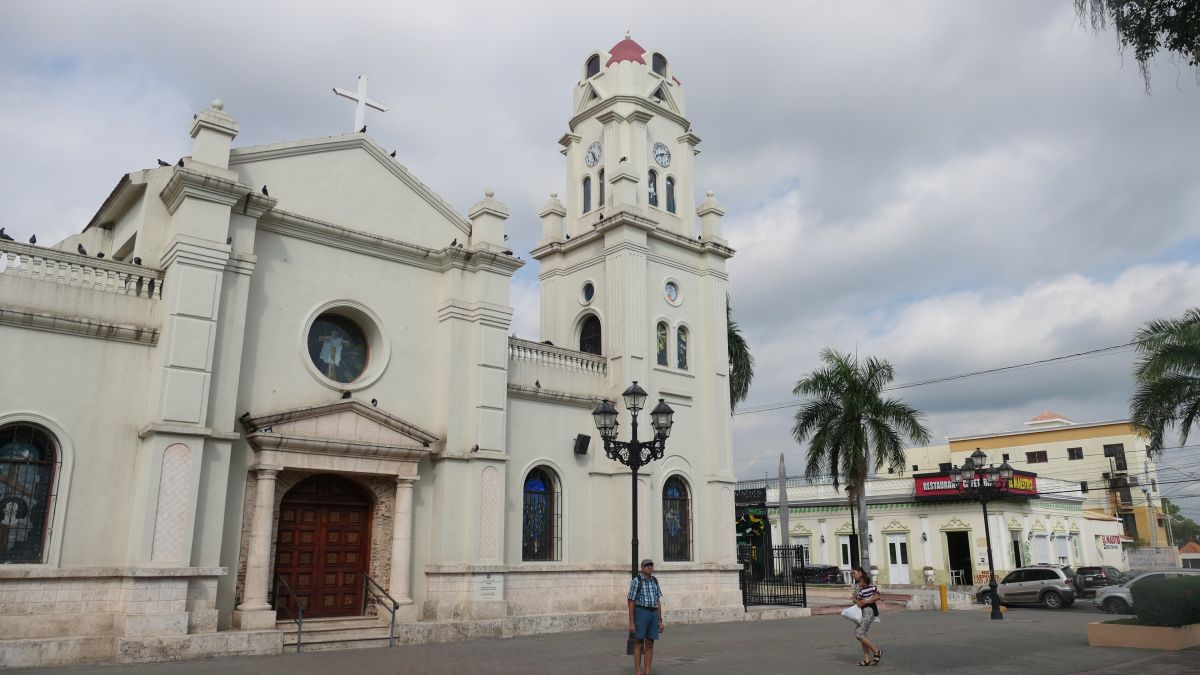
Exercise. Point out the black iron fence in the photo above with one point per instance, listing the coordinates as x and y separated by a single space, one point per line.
774 575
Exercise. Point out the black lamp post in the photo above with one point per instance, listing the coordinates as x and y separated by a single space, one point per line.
634 453
984 483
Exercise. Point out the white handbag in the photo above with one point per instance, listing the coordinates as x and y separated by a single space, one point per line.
854 613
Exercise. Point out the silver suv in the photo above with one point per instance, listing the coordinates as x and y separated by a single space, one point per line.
1050 586
1119 599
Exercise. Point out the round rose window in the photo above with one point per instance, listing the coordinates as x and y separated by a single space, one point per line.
338 347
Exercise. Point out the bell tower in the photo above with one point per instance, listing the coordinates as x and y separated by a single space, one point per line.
631 267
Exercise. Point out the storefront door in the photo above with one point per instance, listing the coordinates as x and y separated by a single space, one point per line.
898 559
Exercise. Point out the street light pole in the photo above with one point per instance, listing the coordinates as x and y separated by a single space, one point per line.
993 482
634 453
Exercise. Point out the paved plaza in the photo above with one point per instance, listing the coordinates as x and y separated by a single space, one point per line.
1029 642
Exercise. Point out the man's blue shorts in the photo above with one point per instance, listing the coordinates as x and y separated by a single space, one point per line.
646 623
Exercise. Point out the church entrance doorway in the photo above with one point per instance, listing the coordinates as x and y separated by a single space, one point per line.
323 546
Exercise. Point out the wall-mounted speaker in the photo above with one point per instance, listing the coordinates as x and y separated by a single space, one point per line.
582 441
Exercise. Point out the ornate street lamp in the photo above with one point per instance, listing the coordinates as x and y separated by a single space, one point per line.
634 453
976 478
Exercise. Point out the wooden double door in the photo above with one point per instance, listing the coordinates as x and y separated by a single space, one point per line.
323 546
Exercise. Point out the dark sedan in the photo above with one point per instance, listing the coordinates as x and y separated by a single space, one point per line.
818 574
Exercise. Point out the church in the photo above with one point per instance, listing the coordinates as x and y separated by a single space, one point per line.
281 380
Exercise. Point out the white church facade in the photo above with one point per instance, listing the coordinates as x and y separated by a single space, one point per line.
291 380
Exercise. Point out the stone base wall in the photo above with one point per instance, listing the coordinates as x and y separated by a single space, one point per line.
88 615
474 593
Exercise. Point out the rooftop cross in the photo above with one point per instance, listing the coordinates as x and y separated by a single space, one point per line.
360 97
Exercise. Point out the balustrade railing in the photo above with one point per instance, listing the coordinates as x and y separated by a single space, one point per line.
537 352
72 269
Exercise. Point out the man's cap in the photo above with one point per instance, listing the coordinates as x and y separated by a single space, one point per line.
647 563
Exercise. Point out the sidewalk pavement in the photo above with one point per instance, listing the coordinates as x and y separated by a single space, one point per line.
1027 642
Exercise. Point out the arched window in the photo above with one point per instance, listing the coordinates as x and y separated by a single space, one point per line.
681 339
661 341
652 187
660 64
540 525
587 194
593 65
677 520
670 195
28 459
600 187
590 336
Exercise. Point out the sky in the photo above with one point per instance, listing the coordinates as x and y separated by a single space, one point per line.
949 186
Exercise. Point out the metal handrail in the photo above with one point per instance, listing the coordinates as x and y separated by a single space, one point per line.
298 618
372 587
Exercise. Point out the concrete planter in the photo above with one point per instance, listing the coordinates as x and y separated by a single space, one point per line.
1102 634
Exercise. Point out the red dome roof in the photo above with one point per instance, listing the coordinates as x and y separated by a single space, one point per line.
626 50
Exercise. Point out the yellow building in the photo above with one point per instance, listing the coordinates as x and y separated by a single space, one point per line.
1107 459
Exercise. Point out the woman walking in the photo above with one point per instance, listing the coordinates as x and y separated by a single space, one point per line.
865 596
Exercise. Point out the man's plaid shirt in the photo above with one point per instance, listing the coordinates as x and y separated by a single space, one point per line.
649 594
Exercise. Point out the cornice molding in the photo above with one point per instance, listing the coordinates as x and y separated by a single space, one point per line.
386 248
554 397
103 330
186 183
613 101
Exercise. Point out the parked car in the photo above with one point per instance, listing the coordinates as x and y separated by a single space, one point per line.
1090 579
1051 586
1119 599
819 574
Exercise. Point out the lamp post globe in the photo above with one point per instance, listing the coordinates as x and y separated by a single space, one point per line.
1006 472
661 418
979 457
635 398
605 416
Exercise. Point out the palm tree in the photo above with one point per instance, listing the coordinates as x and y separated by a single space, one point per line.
851 428
1168 378
741 361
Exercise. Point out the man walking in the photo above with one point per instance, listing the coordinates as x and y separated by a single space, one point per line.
645 615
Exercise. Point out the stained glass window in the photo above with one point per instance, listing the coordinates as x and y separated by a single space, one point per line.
670 195
338 347
652 187
28 458
590 337
677 520
587 194
539 517
661 339
682 339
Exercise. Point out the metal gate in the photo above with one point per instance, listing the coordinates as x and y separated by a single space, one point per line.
774 579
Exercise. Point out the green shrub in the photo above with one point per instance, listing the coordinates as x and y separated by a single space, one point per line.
1167 602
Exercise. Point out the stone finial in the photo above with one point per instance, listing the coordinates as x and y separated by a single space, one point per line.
552 214
710 212
213 131
487 218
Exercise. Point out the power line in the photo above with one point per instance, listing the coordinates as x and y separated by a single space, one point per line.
767 407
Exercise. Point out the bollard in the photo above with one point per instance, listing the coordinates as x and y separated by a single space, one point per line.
942 596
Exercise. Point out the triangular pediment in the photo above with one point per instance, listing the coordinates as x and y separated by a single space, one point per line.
354 183
587 98
662 96
346 426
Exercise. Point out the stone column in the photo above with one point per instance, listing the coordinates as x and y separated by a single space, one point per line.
255 612
399 585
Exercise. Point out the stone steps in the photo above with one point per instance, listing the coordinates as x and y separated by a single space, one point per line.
332 634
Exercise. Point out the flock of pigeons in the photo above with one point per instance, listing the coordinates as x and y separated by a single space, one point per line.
78 247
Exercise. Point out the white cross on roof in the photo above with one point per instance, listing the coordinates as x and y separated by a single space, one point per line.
360 111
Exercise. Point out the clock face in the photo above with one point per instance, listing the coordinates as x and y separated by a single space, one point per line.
593 154
662 155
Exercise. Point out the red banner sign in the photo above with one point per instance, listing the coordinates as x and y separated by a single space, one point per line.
940 486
